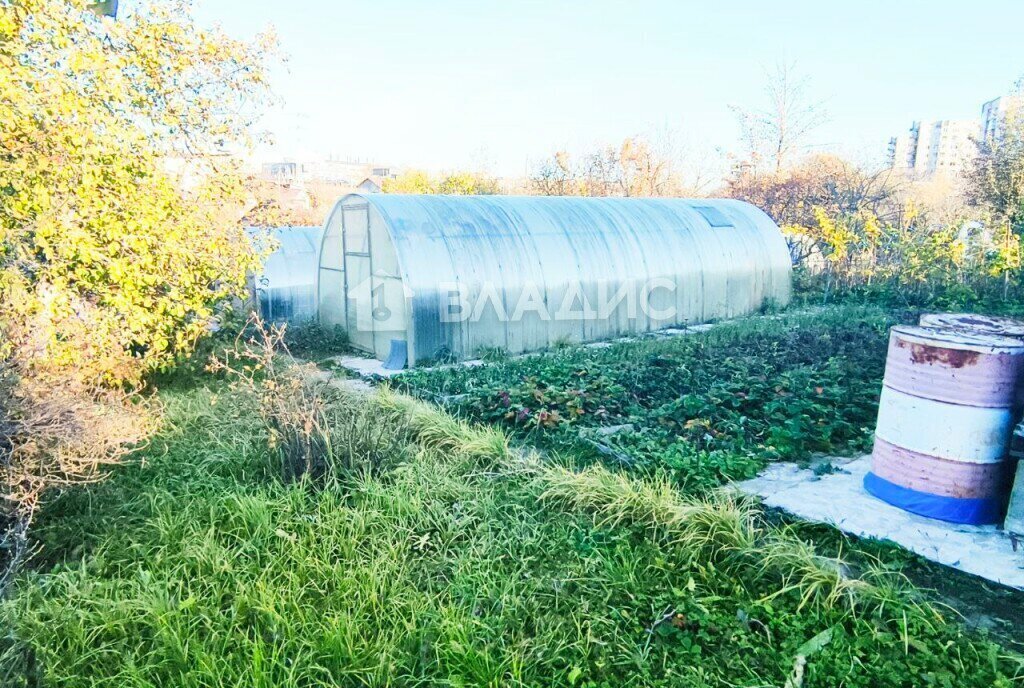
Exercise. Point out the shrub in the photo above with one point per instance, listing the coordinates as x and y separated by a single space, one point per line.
55 434
116 258
119 235
909 263
314 432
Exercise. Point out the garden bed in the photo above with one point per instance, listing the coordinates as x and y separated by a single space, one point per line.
704 408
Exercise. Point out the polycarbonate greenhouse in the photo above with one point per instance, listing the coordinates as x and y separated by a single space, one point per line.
286 289
418 278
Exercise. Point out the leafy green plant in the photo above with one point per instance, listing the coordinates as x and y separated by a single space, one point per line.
110 266
469 563
705 407
314 342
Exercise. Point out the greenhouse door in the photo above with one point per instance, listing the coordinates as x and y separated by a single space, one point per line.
358 272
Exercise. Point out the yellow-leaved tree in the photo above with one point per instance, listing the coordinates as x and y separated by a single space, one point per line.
120 198
117 180
452 183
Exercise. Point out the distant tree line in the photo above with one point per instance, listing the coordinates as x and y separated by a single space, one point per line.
453 183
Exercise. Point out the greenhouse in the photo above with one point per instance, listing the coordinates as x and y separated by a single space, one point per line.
285 291
422 278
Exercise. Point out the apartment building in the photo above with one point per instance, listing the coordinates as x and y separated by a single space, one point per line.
935 147
997 112
948 146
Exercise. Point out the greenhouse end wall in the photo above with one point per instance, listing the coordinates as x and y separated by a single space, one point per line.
285 289
450 276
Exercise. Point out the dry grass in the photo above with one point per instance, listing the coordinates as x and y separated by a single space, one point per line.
55 433
316 433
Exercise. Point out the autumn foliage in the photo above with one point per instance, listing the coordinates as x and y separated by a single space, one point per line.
119 236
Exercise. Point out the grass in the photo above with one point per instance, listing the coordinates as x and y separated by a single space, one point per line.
467 563
704 408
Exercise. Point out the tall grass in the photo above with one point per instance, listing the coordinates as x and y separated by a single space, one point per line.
466 563
316 433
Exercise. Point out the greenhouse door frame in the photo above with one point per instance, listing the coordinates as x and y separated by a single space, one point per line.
355 335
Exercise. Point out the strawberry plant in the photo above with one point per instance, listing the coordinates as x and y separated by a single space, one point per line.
706 407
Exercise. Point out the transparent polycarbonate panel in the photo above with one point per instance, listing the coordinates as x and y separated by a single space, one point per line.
331 255
524 273
286 286
330 288
385 262
388 313
359 302
358 276
713 215
356 226
332 298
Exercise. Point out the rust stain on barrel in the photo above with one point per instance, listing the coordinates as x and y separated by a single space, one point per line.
977 320
923 353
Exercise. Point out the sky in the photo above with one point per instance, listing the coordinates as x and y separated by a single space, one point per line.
451 84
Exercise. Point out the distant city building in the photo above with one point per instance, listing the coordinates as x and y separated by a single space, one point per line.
948 146
935 147
284 171
334 171
903 149
995 113
374 184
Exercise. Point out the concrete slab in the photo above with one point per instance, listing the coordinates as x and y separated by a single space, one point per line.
692 329
364 367
839 499
371 368
348 384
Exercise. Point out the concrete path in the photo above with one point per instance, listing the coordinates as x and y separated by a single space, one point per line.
839 499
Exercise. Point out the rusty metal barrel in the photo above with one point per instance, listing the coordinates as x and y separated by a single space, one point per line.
1007 327
946 415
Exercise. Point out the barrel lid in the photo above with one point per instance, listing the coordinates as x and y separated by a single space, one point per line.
959 340
972 322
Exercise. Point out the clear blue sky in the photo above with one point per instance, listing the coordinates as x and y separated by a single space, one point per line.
446 84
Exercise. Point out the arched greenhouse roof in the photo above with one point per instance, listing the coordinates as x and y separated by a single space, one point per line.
709 259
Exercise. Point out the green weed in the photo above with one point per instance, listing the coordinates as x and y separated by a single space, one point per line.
467 564
704 408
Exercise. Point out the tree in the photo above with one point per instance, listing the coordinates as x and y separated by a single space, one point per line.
119 203
558 176
270 203
120 240
995 182
453 183
855 229
778 132
822 181
634 168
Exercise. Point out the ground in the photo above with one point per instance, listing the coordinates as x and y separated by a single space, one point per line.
456 556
